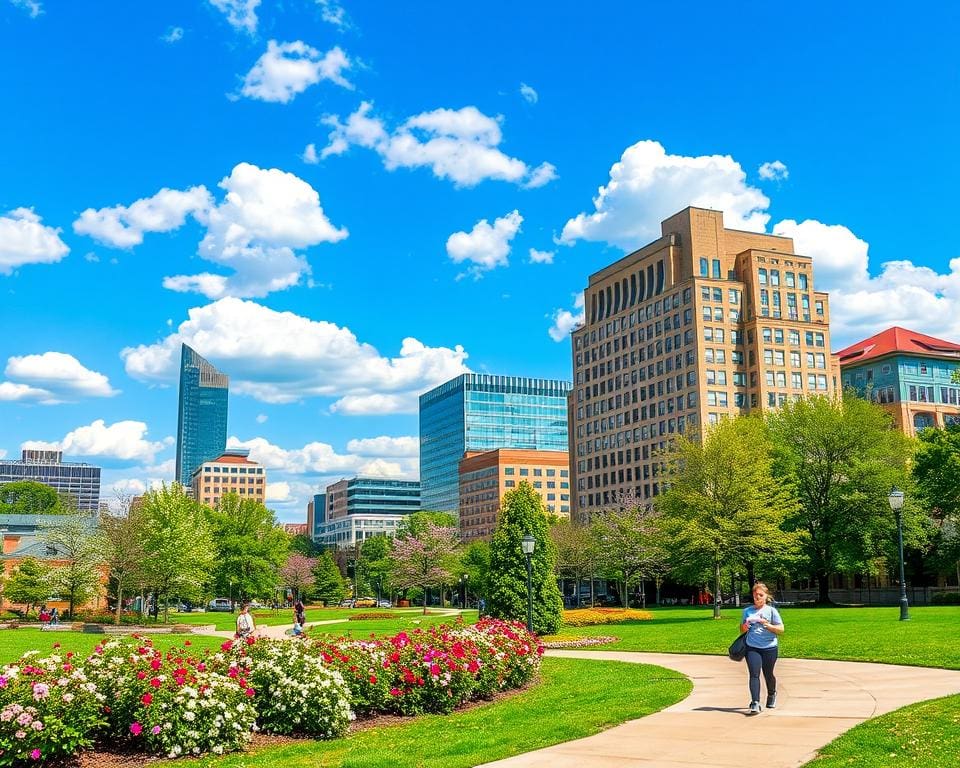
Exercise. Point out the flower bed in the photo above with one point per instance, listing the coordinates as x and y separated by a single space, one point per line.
585 617
574 641
375 615
176 704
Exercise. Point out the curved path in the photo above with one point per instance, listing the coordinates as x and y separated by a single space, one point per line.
818 700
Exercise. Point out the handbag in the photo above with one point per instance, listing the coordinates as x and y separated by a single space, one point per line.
738 648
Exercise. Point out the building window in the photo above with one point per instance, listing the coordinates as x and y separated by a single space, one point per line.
704 266
716 268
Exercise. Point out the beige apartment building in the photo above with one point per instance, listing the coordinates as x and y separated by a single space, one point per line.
231 472
485 477
703 323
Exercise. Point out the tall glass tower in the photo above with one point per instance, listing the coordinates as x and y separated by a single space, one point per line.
480 412
202 420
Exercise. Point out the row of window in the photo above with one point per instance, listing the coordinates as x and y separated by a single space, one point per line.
216 469
790 279
537 472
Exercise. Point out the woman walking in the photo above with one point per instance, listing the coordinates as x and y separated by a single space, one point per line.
763 625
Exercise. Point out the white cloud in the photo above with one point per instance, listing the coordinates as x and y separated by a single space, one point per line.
565 320
53 377
309 155
172 35
24 240
313 459
541 257
381 468
333 13
124 226
262 418
486 247
902 293
529 94
279 491
123 440
281 357
647 185
775 171
241 14
460 145
91 257
288 69
32 7
404 447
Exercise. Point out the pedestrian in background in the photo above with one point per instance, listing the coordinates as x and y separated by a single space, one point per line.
763 625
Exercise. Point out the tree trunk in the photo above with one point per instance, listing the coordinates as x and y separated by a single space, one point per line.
425 588
716 589
623 599
823 585
116 619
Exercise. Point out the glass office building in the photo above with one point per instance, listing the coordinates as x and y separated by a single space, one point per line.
480 412
81 481
363 507
202 419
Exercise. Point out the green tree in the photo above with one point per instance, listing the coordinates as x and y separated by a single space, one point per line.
179 551
522 513
27 497
305 545
251 547
842 457
576 553
628 541
936 470
475 562
123 534
414 524
29 584
329 586
80 552
425 560
724 507
374 564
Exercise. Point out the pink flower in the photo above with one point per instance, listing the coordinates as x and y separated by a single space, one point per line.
155 730
40 691
147 699
395 691
136 729
249 692
227 645
36 754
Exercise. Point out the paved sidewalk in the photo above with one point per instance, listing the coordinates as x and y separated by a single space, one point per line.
818 700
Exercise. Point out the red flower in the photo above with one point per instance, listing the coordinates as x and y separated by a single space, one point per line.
395 692
141 674
56 645
251 640
147 699
373 679
155 663
227 645
187 642
250 692
155 682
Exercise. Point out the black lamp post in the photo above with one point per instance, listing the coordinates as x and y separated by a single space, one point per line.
528 544
896 504
463 584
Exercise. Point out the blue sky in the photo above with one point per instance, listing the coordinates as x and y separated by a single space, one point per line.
344 204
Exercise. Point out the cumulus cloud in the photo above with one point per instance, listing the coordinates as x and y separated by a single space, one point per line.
486 246
565 320
32 7
405 446
901 293
775 171
267 215
460 145
241 14
24 240
279 491
51 378
262 418
124 226
333 13
647 185
123 440
541 257
529 94
172 35
281 357
309 155
288 69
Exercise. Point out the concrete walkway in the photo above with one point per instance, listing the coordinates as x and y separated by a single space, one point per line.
818 700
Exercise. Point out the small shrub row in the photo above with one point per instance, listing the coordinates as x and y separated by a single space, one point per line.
575 641
585 617
946 598
375 616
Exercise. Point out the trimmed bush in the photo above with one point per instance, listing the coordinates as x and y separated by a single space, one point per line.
946 598
586 617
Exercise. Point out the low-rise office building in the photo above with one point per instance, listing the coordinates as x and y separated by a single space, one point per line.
360 508
231 472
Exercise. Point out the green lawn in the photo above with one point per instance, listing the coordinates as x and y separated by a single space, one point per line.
15 642
268 617
929 639
575 699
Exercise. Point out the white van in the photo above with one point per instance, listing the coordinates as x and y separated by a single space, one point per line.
220 604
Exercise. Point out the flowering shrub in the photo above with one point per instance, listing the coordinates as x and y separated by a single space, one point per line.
433 670
171 703
48 708
375 615
585 617
296 692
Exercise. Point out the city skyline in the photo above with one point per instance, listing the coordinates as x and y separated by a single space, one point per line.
342 206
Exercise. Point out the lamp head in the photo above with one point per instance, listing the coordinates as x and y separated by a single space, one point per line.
895 498
528 544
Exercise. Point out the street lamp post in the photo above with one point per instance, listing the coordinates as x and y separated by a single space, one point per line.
463 584
896 504
528 544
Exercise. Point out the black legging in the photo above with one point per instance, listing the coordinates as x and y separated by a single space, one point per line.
765 658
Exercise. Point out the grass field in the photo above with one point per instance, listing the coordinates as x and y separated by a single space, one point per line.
575 699
15 642
267 617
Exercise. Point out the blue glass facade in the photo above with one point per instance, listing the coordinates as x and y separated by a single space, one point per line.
480 412
319 515
202 418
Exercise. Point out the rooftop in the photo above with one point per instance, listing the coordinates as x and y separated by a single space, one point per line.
897 340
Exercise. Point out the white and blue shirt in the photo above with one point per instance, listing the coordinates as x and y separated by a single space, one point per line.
759 636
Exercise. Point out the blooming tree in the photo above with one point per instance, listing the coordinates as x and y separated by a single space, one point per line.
425 560
297 572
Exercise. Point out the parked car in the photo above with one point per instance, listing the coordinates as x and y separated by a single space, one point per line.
365 602
220 604
384 604
256 604
348 603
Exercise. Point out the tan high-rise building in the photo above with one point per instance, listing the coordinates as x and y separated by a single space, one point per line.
485 477
231 472
702 323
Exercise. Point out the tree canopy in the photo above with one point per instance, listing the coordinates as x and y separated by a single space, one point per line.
28 497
